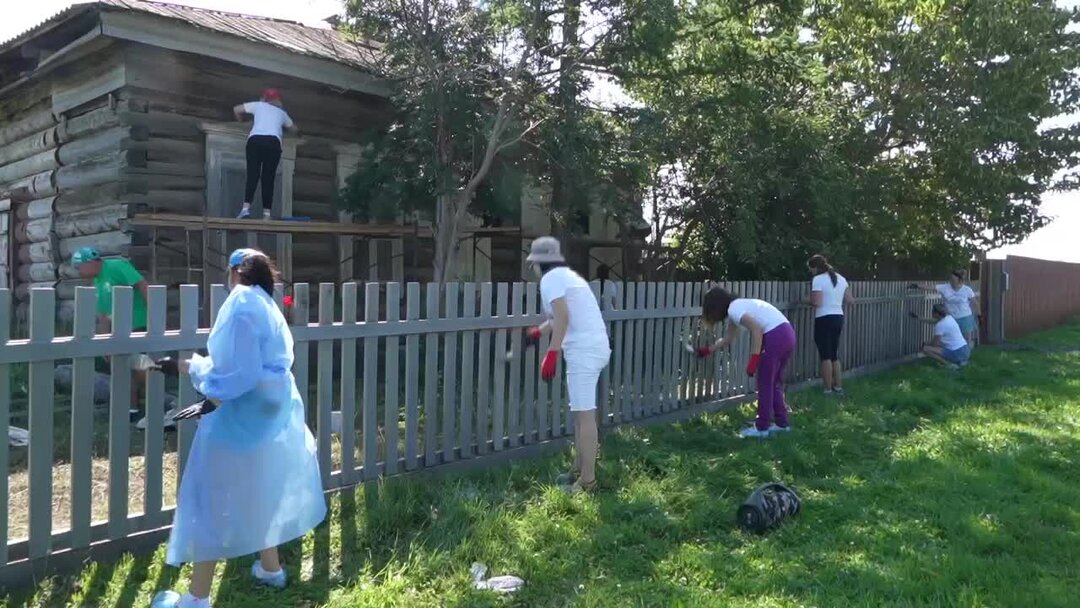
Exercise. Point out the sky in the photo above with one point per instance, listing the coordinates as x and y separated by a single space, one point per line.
1052 242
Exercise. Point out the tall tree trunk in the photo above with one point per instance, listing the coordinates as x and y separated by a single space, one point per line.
445 231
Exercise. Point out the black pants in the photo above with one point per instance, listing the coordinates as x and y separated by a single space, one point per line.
827 332
263 156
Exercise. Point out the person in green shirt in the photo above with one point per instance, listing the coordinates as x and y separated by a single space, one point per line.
109 273
106 274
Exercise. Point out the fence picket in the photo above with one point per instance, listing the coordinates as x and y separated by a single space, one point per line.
498 431
529 356
391 410
431 379
483 379
468 361
371 385
640 354
654 296
349 296
514 404
449 375
119 417
41 388
189 324
301 350
154 437
615 366
412 378
669 401
324 385
82 419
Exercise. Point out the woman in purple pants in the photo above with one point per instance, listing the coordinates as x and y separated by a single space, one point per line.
772 340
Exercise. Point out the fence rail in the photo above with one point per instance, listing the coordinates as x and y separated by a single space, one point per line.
395 379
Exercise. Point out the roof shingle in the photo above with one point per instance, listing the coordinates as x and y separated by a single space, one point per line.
323 43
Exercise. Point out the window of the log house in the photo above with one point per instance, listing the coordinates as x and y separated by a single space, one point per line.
226 202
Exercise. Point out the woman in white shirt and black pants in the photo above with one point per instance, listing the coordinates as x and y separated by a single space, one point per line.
263 147
828 294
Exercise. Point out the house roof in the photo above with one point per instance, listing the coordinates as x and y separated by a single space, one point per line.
322 43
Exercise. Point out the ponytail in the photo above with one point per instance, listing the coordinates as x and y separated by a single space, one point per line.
259 270
819 264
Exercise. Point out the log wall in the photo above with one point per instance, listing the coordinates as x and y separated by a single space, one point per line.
122 131
66 141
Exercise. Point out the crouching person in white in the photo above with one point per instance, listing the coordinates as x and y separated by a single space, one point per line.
252 479
578 332
949 346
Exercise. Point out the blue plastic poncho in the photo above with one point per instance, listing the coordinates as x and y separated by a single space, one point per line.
252 478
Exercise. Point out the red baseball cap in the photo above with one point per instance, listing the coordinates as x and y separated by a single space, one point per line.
271 95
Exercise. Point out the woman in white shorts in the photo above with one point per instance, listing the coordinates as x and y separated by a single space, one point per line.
579 333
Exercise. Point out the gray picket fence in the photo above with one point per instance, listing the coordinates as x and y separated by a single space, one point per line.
395 378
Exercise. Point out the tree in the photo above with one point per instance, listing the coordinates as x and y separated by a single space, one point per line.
472 85
876 131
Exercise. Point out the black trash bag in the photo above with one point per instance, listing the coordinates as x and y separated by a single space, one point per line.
767 507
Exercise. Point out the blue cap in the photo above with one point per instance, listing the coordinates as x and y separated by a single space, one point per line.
84 255
237 257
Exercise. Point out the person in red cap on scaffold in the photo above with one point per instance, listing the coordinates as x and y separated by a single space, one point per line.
270 121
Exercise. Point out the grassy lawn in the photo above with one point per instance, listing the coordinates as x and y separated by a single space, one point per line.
923 488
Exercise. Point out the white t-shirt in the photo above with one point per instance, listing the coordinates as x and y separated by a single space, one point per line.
949 331
587 331
958 301
832 297
766 315
609 295
269 119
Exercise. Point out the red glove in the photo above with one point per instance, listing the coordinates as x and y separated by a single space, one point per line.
547 368
751 368
532 336
703 352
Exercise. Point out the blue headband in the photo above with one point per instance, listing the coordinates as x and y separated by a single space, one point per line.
237 257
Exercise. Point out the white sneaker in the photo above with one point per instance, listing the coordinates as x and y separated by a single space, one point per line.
172 599
277 580
779 429
244 213
753 432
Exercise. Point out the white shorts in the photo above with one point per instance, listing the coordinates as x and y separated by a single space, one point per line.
582 376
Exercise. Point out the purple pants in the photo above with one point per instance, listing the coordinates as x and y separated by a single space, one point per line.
778 345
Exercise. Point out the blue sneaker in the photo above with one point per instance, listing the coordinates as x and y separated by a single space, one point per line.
277 580
172 599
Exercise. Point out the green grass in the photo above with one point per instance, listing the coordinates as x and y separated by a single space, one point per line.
923 488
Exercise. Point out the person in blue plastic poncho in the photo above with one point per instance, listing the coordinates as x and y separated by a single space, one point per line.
252 479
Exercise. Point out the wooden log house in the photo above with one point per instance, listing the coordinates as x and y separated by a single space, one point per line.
116 127
120 111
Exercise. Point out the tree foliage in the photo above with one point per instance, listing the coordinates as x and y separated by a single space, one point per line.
892 135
